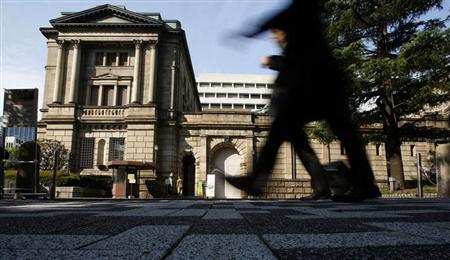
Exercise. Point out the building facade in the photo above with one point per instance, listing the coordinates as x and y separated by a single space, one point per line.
120 87
234 91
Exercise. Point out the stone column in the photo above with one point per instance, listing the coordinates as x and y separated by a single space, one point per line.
443 158
172 85
250 154
136 75
152 72
58 73
75 71
100 95
115 94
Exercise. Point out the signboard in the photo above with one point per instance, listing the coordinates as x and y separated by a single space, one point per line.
210 185
20 108
132 181
130 176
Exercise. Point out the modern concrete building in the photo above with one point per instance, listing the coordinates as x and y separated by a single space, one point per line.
120 87
12 141
234 91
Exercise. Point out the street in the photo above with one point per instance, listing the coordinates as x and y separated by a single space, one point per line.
220 229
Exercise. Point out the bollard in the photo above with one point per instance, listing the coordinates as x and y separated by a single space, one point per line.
419 175
391 184
443 159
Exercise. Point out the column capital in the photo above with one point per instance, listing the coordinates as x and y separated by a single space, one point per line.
60 43
153 44
138 43
76 43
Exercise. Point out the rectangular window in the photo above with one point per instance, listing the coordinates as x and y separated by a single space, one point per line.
93 96
232 95
121 95
116 149
215 105
378 149
249 85
260 85
412 150
123 59
266 96
238 85
226 106
108 96
271 86
238 106
255 96
243 95
110 59
86 152
342 149
99 58
260 106
221 95
215 85
227 85
205 105
210 95
203 84
249 106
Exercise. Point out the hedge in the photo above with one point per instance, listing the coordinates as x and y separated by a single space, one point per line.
70 179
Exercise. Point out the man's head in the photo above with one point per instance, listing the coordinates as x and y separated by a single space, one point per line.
279 36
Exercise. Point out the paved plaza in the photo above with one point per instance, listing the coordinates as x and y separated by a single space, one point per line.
240 229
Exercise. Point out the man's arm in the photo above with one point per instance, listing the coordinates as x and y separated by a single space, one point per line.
274 62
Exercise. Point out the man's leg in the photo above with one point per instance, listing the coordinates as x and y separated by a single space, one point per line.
361 173
253 182
311 162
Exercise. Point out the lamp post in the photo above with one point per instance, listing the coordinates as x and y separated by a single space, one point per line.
155 155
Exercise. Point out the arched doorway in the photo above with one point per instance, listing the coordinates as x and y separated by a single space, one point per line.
227 162
188 175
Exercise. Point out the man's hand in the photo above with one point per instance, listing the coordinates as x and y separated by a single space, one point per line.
265 61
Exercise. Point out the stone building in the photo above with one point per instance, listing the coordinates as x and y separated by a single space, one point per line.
120 86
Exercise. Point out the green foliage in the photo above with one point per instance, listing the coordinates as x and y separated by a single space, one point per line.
13 156
48 149
69 179
388 48
321 132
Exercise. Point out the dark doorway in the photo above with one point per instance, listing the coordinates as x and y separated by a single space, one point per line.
188 175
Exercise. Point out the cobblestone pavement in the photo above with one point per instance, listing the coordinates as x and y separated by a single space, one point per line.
236 229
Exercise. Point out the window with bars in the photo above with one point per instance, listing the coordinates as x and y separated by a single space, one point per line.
86 152
116 149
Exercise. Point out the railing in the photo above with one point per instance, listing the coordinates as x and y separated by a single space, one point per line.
103 112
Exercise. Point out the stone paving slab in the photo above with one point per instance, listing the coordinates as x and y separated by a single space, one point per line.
71 254
222 214
46 241
343 240
221 229
221 247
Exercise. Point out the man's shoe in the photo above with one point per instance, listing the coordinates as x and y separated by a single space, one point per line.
355 196
349 196
251 185
316 197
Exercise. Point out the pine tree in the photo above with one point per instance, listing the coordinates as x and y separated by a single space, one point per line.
398 62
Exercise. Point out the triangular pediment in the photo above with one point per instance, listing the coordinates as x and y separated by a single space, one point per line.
112 19
103 15
106 76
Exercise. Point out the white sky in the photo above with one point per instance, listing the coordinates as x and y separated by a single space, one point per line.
206 22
